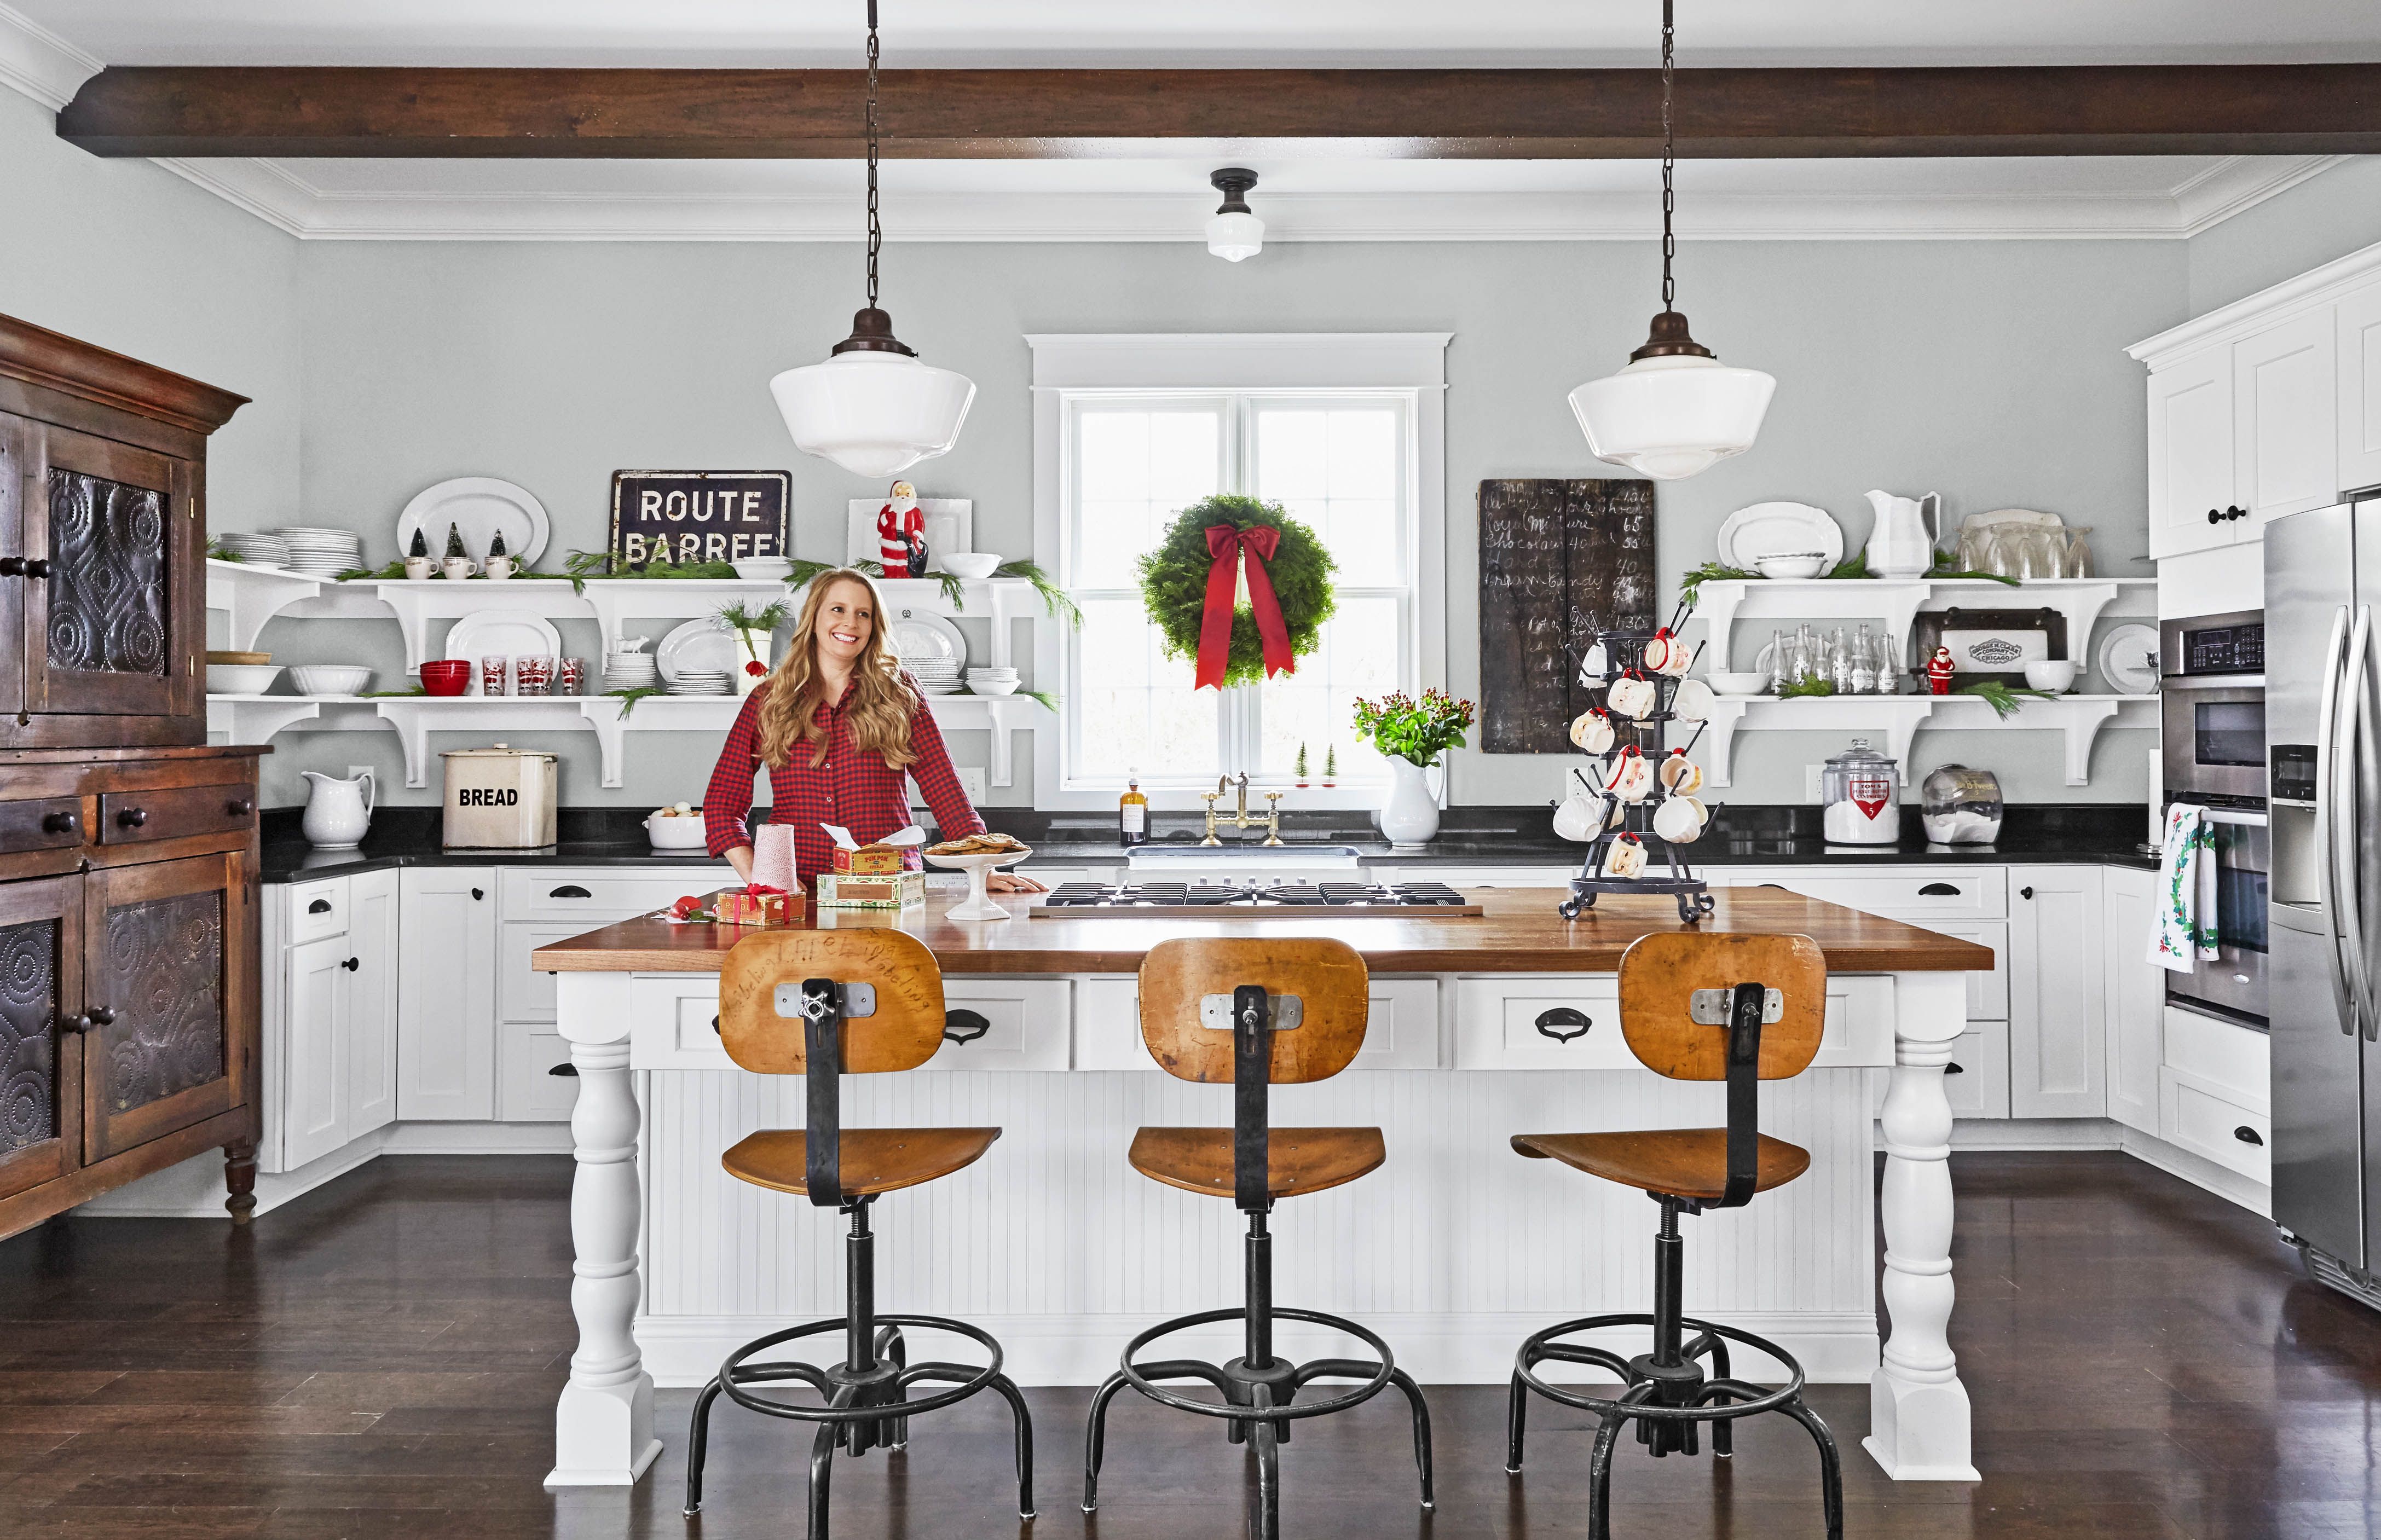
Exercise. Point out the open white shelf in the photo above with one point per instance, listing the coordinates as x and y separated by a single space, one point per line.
1898 718
1720 605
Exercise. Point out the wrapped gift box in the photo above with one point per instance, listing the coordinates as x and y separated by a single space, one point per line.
885 890
894 853
761 908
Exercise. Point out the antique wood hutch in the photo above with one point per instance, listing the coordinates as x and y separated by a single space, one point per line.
127 846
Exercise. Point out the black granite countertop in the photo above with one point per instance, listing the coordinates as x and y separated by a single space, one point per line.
2067 833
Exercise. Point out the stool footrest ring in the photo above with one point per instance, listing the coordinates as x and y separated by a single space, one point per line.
735 1374
1237 1412
1535 1349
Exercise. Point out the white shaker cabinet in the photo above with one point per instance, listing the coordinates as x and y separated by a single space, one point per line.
2057 993
373 986
331 1026
314 1051
2285 420
2358 349
2136 995
2191 456
447 1009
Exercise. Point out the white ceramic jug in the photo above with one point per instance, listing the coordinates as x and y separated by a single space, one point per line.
339 813
1901 542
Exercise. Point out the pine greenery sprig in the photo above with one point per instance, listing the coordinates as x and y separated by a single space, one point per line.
2006 700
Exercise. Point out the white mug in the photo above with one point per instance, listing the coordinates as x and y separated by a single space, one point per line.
1679 820
1632 778
500 567
1625 858
1591 731
1693 700
1632 698
1579 816
1666 655
458 567
1679 774
420 568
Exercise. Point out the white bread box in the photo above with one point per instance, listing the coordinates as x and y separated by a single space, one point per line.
499 798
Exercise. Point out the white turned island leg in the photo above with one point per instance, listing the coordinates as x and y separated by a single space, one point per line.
604 1423
1918 1408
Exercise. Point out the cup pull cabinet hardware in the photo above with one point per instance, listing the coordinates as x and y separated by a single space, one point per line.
964 1027
570 890
2248 1135
59 822
1955 1068
1938 890
565 1069
1550 1021
133 817
320 906
352 964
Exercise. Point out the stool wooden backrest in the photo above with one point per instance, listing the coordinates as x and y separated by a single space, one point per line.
904 1031
1328 976
1659 974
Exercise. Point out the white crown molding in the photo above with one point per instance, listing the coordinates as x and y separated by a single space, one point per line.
2317 285
41 64
273 192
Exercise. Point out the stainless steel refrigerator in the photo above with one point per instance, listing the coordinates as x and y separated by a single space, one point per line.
2323 725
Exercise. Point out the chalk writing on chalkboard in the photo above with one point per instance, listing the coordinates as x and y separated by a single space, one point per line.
689 516
1559 561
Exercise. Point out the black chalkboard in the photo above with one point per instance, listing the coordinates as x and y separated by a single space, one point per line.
1558 561
689 516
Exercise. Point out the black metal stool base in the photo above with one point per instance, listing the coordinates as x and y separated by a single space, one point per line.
1667 1401
1259 1400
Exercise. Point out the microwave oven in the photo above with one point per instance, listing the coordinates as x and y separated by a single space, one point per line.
2212 708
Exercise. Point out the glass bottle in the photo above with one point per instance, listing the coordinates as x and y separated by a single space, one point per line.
1864 663
1132 814
1808 662
1840 662
1781 662
1888 663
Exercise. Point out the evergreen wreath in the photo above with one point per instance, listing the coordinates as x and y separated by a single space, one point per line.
1174 583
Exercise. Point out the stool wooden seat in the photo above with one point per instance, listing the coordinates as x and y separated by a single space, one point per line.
1253 1012
1686 1162
823 1005
1739 1009
1297 1160
873 1160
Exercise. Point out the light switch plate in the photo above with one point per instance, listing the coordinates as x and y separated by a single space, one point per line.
1811 782
971 782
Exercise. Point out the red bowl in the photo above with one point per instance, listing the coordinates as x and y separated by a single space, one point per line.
447 677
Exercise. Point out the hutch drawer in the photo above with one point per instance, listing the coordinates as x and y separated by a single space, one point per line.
176 812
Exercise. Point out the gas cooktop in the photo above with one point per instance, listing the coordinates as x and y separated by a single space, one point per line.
1146 900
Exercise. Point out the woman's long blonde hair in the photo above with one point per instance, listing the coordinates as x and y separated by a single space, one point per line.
880 702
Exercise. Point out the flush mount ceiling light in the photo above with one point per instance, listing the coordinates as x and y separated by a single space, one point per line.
873 407
1675 409
1235 234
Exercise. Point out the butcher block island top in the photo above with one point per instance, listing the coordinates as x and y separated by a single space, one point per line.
1516 932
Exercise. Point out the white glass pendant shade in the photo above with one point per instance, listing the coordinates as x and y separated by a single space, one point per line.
1671 416
1236 237
874 413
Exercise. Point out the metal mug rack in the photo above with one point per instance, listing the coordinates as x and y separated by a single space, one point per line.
1624 657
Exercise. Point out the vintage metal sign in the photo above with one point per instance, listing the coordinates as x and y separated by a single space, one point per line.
689 516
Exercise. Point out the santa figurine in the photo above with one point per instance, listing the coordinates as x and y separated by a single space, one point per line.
901 533
1939 669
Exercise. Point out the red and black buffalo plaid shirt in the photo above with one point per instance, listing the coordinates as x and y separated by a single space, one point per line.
854 789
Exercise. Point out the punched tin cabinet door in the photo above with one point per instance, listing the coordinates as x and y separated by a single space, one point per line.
41 1056
108 629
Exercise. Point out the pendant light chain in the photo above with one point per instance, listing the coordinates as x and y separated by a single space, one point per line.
1670 164
875 230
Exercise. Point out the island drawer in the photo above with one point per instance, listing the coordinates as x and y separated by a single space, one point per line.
600 895
1029 1022
1913 893
1400 1025
1497 1022
522 993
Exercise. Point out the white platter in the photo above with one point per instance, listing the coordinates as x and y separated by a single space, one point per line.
699 646
917 634
479 507
1778 528
950 526
501 634
2129 659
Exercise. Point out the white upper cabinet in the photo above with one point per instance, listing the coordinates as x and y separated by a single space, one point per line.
2359 349
2286 419
2190 456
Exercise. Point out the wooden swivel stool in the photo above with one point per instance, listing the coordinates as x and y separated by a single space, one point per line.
824 1004
1741 1009
1252 1013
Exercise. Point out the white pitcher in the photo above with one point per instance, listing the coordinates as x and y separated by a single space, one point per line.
1901 542
339 813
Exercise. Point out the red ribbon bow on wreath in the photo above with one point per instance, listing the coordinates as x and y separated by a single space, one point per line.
1225 542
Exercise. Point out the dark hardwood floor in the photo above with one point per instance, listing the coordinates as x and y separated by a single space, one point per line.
378 1360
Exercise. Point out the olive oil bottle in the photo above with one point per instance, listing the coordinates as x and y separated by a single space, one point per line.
1133 814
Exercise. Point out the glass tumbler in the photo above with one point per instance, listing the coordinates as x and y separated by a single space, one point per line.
570 677
532 676
496 675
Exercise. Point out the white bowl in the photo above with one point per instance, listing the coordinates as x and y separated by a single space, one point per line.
1800 564
241 678
329 678
1738 681
992 687
674 834
764 570
971 564
2055 674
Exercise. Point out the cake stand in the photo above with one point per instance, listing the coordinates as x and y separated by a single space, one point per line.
979 868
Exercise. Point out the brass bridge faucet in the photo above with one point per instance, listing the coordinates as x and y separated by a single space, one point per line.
1241 819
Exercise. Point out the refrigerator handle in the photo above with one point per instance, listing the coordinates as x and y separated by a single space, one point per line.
2346 733
2326 754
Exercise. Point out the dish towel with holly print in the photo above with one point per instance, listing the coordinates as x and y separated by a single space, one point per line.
2185 933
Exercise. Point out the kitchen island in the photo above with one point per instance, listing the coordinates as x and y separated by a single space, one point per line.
1455 1251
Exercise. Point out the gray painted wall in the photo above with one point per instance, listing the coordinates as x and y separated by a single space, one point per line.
2323 217
1993 371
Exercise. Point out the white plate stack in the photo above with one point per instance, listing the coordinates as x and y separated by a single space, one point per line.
935 676
631 671
991 681
257 550
697 681
321 553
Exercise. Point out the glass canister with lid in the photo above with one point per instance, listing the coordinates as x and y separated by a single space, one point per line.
1857 790
1961 806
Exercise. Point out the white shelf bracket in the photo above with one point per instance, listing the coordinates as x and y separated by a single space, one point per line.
1719 741
603 714
1716 603
255 721
2085 720
251 597
413 737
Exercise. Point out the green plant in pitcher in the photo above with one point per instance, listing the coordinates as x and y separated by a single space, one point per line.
1415 731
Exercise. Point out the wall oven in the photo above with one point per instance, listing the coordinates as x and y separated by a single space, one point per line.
2212 743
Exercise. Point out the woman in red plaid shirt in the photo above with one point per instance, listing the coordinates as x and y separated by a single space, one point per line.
839 726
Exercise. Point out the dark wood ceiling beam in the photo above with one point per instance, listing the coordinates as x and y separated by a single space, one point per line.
1493 113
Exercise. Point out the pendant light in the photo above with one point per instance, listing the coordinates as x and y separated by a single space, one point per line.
1675 409
872 407
1235 234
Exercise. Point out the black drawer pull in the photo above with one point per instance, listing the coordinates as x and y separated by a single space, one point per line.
1954 1067
352 964
565 1069
1563 1015
133 817
2215 517
477 894
59 822
36 567
714 1026
1938 890
964 1026
320 906
12 567
567 890
102 1016
2248 1135
239 807
77 1024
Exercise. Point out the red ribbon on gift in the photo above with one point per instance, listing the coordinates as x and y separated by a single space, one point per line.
1225 542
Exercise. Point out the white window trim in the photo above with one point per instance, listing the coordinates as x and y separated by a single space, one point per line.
1321 361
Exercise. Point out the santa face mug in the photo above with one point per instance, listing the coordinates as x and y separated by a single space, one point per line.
1632 778
1632 697
1666 655
1625 857
1681 774
1591 731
